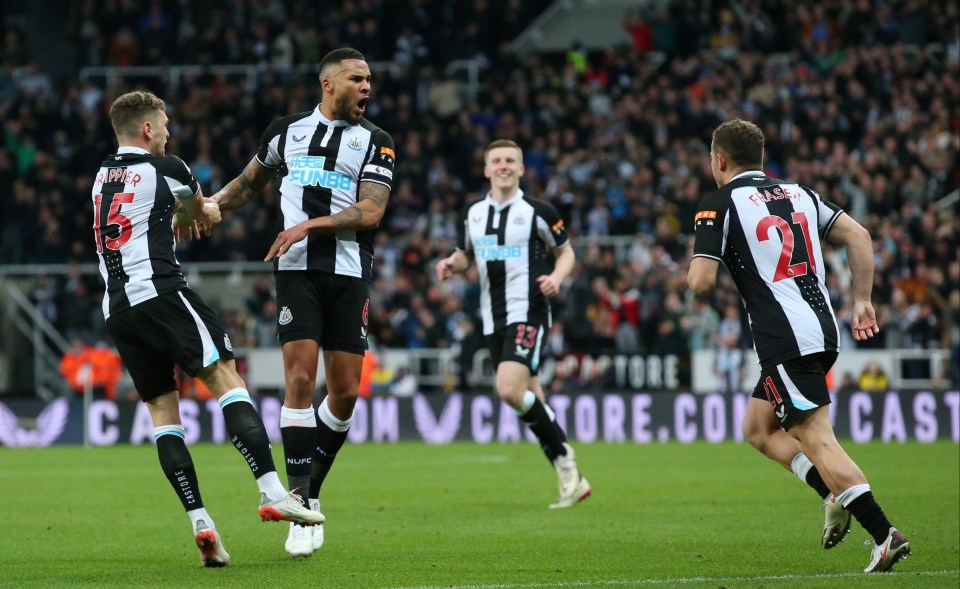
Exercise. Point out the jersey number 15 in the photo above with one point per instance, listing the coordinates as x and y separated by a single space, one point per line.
114 217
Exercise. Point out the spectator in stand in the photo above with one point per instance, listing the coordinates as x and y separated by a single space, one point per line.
605 315
847 384
107 369
640 31
265 325
731 325
873 379
75 365
371 363
627 314
99 366
729 365
701 323
672 338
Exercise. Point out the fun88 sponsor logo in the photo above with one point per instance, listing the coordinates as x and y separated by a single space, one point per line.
486 248
307 170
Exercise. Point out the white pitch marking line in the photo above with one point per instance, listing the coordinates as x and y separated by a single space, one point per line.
677 581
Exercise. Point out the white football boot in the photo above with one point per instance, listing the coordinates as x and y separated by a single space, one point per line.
303 541
212 552
317 530
888 553
288 509
836 522
574 488
299 542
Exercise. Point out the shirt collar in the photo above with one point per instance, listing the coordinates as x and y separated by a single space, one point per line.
132 149
499 206
748 173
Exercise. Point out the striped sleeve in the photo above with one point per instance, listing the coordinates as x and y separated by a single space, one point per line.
827 212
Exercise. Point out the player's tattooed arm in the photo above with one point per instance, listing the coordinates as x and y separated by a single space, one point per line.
242 189
364 215
367 213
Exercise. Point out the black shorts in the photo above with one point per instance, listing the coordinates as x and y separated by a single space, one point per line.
173 328
518 342
796 386
328 308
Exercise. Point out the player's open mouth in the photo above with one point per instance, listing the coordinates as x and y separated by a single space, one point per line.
362 105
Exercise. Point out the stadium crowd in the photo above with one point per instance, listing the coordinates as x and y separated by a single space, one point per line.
857 98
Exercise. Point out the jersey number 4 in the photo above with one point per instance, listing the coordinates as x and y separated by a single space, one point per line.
114 217
784 268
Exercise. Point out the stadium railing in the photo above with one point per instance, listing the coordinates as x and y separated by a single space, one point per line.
46 343
111 74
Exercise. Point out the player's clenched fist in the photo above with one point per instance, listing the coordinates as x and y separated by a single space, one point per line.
444 269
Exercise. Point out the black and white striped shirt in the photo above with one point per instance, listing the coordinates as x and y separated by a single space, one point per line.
133 206
767 233
509 244
323 163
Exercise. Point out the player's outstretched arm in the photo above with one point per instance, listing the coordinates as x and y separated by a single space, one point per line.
455 263
242 189
847 232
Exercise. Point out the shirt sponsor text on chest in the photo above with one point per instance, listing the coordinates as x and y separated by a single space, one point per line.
307 170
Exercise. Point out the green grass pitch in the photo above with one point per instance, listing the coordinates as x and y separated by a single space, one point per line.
475 516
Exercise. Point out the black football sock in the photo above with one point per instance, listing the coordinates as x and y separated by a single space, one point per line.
534 414
860 503
808 473
816 481
247 432
553 418
331 434
177 464
298 429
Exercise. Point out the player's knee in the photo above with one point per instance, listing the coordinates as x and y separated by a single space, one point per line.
757 436
221 376
343 394
510 395
300 384
340 402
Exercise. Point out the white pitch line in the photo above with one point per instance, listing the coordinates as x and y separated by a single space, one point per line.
673 581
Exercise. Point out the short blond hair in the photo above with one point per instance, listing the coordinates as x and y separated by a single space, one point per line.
502 143
130 110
